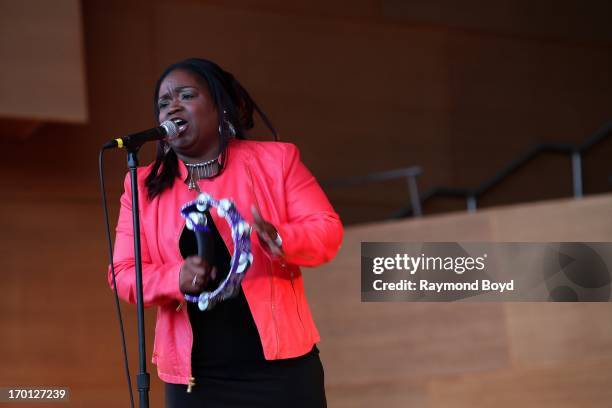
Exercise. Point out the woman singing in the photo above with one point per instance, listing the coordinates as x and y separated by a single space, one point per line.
257 349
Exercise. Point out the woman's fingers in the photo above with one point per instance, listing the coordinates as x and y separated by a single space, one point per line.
258 223
266 231
256 216
195 274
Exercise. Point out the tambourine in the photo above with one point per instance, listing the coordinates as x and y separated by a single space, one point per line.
242 258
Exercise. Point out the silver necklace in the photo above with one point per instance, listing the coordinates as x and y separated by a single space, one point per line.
198 171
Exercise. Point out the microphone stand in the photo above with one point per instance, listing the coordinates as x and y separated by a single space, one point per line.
142 378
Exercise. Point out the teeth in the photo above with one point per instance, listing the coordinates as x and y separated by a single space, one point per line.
179 121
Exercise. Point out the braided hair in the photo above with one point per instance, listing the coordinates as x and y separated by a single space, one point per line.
233 103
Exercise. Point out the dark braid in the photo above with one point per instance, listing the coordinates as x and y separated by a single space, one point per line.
228 95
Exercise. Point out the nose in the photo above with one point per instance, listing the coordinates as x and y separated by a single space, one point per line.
175 106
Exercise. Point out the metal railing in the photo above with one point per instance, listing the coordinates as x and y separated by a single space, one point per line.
471 195
409 173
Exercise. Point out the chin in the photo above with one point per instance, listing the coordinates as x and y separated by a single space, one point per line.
181 143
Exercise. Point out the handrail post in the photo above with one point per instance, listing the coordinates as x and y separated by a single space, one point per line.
577 174
471 203
415 200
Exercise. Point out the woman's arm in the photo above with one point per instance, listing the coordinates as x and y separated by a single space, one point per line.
313 233
160 282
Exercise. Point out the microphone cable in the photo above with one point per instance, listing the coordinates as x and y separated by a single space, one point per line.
112 265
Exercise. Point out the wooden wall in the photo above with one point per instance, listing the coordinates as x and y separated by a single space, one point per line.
42 74
479 354
360 86
59 327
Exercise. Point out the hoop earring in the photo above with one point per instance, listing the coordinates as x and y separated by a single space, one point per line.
226 124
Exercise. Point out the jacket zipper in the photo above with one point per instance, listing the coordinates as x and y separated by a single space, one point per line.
191 384
297 306
272 306
192 381
252 185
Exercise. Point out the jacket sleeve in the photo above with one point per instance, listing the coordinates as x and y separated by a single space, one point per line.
313 232
160 282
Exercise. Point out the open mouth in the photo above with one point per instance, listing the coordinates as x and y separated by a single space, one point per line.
181 123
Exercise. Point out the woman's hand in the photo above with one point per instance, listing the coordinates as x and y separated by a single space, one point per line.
195 274
266 232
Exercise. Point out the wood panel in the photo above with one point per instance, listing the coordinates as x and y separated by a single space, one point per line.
574 332
59 327
357 93
569 385
470 353
42 74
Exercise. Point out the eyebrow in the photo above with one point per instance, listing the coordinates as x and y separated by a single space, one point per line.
177 89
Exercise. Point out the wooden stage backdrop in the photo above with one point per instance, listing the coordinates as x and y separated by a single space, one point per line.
459 90
59 328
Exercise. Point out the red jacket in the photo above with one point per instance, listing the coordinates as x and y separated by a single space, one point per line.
270 175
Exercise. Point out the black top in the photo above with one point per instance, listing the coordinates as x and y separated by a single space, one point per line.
227 356
226 335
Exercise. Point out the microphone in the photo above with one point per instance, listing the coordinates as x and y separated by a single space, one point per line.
135 140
